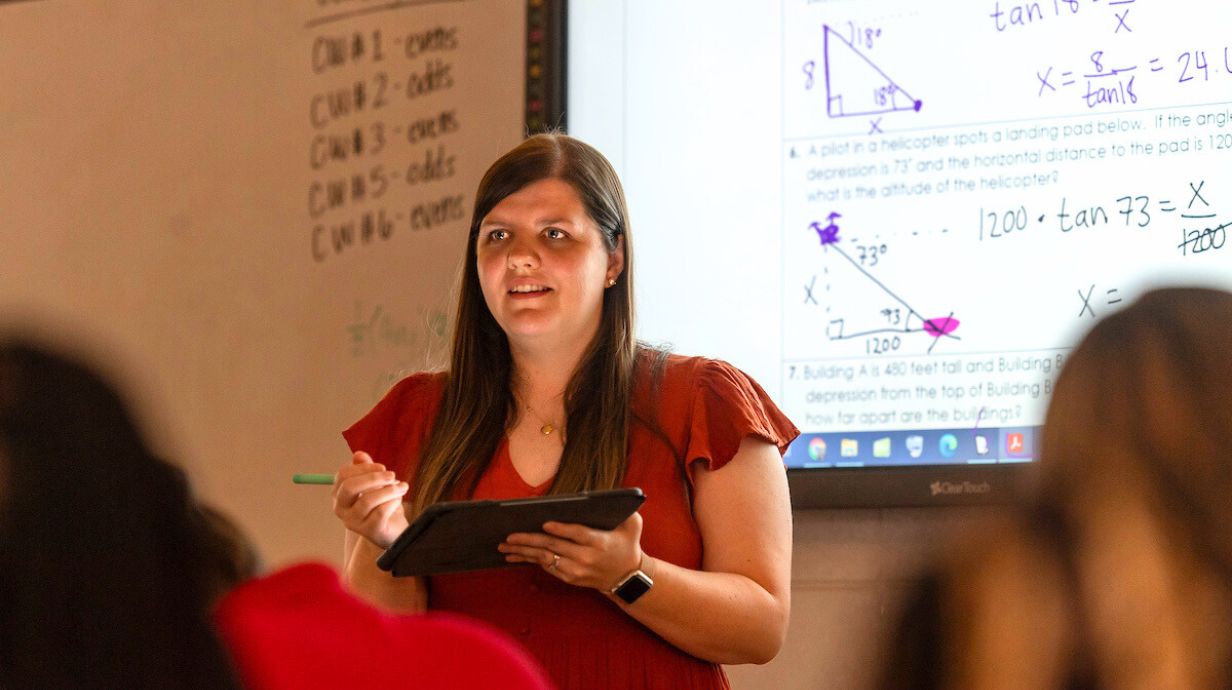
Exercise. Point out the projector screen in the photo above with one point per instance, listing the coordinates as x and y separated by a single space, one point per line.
900 217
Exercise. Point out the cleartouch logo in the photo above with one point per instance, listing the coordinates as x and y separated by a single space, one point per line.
940 488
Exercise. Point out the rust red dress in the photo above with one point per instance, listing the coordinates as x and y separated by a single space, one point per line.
705 408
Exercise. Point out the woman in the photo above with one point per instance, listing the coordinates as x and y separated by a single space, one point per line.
548 392
108 567
1119 574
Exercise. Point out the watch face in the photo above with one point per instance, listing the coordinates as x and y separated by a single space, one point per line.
633 588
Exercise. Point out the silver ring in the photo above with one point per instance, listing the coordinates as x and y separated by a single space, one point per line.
555 561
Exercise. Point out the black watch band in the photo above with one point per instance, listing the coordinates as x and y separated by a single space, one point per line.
633 586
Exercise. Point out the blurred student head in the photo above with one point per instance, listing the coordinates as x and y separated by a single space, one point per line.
1119 572
1142 410
107 565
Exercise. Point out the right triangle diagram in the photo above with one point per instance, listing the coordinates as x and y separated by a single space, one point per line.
855 86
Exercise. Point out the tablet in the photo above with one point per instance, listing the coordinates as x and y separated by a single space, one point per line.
456 536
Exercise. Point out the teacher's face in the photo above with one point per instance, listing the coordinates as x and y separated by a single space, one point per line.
543 265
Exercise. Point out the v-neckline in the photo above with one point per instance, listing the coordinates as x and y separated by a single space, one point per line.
504 459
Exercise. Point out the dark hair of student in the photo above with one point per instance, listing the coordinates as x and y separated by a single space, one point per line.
1136 470
104 557
1144 400
1118 571
477 404
233 559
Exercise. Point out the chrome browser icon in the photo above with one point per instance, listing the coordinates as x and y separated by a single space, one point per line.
817 448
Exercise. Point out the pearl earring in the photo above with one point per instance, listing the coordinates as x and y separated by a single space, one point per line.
611 282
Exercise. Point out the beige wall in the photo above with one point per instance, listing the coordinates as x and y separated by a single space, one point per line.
850 571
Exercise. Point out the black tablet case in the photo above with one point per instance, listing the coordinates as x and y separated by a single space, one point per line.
457 536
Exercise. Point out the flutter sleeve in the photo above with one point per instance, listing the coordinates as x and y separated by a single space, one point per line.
727 407
393 430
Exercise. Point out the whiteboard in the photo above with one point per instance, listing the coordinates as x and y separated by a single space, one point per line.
900 216
253 212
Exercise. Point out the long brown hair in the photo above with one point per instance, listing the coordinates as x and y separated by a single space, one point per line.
1118 572
1145 399
478 402
1136 467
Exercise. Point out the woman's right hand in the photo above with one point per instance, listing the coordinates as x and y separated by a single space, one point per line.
368 500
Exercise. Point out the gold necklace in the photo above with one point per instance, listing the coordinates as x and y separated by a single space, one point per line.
547 427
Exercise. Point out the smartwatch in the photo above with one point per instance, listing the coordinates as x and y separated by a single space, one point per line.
633 586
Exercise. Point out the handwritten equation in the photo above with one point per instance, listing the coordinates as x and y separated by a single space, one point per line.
1092 298
1201 230
1109 77
1014 17
1108 80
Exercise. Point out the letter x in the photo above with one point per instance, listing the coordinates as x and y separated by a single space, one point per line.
808 291
1086 302
1121 19
1044 81
1197 193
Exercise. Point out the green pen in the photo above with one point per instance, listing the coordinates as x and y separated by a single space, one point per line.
313 478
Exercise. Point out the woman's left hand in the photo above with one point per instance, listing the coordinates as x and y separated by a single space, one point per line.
579 555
